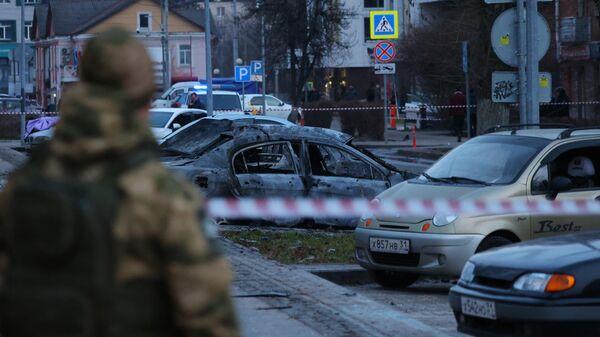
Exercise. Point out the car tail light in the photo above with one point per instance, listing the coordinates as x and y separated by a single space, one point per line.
560 282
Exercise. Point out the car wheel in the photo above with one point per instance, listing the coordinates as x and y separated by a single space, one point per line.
492 242
393 279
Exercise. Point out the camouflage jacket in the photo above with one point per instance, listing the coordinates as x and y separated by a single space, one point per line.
157 230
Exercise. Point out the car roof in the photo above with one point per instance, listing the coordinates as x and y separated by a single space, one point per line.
237 116
551 134
178 110
259 133
215 92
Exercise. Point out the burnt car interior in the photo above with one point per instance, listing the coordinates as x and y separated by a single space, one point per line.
263 159
333 162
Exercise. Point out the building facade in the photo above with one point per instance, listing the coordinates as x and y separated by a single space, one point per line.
10 50
62 27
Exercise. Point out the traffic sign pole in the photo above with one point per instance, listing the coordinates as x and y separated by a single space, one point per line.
522 61
533 101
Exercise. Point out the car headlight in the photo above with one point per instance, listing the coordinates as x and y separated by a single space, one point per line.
468 272
367 219
541 282
444 219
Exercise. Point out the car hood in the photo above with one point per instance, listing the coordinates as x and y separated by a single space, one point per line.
160 133
548 255
413 189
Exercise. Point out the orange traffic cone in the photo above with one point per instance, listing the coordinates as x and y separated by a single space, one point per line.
414 136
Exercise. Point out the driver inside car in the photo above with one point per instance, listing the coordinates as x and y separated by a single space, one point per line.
581 170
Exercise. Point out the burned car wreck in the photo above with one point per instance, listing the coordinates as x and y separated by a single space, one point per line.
230 159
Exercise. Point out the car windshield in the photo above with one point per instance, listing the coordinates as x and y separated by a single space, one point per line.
196 137
159 119
489 160
222 102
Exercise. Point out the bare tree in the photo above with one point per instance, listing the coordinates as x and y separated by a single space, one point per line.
300 34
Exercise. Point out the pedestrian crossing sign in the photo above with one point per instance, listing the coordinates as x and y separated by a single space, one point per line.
384 25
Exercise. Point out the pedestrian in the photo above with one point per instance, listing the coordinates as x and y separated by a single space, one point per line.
458 111
97 238
195 102
560 103
370 94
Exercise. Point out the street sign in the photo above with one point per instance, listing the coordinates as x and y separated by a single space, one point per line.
384 25
384 68
505 87
509 1
505 40
242 74
256 71
384 52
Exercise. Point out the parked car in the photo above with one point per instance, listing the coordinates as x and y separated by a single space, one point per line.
545 287
520 164
167 98
414 103
223 101
39 137
275 107
228 159
165 121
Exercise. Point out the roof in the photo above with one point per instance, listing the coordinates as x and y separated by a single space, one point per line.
551 134
70 17
257 133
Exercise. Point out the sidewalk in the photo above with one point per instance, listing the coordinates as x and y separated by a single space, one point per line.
279 300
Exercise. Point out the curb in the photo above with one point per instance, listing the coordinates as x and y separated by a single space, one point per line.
317 303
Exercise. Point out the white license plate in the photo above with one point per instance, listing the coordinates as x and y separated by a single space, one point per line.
398 246
478 308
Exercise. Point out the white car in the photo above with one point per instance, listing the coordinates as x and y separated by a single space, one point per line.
275 107
165 121
223 101
413 105
39 137
167 98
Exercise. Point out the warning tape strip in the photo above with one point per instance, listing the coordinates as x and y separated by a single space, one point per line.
354 208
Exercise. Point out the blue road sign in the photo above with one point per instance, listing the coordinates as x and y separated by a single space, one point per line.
242 73
384 25
257 68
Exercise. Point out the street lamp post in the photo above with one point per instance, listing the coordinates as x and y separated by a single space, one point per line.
22 71
259 4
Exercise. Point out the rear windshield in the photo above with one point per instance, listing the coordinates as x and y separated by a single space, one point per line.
159 119
197 137
491 159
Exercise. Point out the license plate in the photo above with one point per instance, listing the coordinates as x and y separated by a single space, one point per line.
398 246
478 308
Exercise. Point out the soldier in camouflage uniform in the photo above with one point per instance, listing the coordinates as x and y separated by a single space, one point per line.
96 237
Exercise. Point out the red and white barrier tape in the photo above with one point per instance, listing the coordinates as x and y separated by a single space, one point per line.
18 113
354 208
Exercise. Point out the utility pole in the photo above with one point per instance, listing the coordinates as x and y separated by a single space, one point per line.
522 28
264 58
533 105
166 64
465 47
208 48
22 71
235 34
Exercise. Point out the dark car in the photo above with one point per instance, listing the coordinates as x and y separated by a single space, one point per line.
225 158
546 287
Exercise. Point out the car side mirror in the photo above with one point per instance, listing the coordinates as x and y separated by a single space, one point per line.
558 185
176 126
281 104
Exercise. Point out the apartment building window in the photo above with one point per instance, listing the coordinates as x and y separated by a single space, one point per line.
28 30
8 31
581 8
31 2
144 22
4 1
185 54
220 11
374 3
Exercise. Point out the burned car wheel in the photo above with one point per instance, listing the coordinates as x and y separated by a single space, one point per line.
393 279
